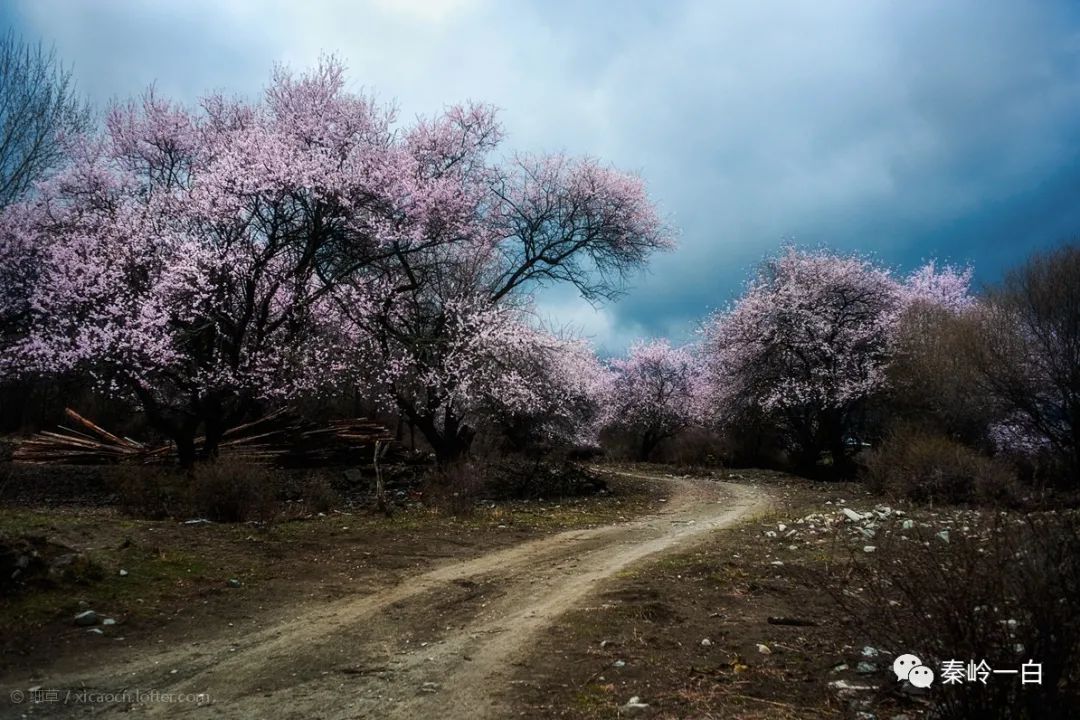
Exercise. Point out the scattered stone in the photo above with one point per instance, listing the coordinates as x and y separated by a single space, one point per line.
86 617
865 668
907 524
619 663
197 521
944 535
869 651
430 687
706 642
95 631
852 515
869 548
845 685
840 668
781 527
123 573
233 583
634 706
778 563
764 649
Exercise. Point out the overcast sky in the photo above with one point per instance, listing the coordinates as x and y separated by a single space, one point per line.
909 129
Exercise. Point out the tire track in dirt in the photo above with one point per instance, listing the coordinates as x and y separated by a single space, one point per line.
347 660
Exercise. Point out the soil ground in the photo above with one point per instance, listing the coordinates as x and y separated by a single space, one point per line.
409 617
668 590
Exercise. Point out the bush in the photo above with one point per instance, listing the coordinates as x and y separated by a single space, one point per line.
223 491
917 465
227 491
319 495
520 478
152 492
1007 594
455 488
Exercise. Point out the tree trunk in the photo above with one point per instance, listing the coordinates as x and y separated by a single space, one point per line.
648 443
185 448
215 429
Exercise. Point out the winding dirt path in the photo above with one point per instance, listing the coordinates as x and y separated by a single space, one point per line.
350 659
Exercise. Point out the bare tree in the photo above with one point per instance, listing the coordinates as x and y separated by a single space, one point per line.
1032 366
38 108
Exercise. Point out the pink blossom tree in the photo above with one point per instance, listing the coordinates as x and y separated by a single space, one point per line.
804 346
652 393
189 258
517 226
809 343
203 262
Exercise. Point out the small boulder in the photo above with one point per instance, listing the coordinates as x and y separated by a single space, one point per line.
233 583
764 649
86 618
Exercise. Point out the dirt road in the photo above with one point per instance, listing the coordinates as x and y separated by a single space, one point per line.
441 644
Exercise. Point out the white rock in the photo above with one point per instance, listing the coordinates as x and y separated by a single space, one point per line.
706 642
852 515
764 649
944 535
845 685
123 573
869 651
869 548
907 524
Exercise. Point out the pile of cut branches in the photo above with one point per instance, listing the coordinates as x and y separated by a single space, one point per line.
276 438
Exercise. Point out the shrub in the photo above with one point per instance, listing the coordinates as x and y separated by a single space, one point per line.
223 491
228 491
152 492
319 496
1007 594
455 487
918 465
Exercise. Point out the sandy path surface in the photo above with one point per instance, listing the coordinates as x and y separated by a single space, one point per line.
350 659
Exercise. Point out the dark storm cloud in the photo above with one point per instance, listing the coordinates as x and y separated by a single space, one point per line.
907 129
